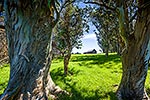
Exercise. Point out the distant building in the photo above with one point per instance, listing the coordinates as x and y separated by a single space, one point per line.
77 53
91 52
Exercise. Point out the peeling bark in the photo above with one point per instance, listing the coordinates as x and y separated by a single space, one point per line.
29 34
135 59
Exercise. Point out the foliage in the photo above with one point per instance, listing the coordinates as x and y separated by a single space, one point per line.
106 24
69 30
107 18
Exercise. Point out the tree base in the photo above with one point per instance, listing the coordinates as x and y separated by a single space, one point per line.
120 96
58 92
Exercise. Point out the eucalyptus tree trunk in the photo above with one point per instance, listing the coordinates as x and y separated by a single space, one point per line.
67 56
29 31
106 51
118 49
66 62
135 59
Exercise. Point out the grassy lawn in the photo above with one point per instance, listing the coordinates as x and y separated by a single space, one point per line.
4 76
92 77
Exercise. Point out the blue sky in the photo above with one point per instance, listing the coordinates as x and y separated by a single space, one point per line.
89 41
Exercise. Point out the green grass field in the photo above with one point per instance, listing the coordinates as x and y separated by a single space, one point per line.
91 77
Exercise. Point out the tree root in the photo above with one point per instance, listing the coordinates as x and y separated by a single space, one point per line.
145 96
58 92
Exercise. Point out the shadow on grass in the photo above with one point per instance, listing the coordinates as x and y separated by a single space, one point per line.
3 85
90 60
4 65
96 59
76 93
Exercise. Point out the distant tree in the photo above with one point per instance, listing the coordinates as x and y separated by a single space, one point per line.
134 27
29 25
107 27
68 33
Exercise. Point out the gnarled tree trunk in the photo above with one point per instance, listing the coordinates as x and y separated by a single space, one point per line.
29 31
135 59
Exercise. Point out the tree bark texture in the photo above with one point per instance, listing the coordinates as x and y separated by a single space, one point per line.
67 54
135 59
3 44
66 62
29 33
106 51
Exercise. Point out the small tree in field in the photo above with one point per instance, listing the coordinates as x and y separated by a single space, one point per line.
68 33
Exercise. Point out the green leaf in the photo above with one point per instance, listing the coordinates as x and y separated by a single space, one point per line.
49 2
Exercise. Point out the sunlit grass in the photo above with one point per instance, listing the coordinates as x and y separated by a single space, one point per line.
91 77
4 76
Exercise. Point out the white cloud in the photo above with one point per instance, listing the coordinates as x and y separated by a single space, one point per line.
89 42
89 36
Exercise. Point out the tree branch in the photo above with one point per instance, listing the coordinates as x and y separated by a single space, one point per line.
67 2
147 4
57 48
101 4
133 17
57 14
